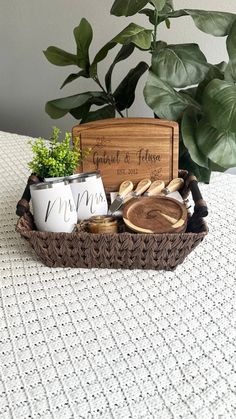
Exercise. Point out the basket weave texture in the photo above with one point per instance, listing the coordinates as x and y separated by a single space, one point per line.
125 250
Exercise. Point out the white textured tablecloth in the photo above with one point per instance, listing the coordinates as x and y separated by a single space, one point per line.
121 344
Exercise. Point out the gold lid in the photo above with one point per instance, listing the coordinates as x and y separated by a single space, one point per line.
99 219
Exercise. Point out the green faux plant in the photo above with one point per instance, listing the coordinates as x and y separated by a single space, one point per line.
181 85
55 158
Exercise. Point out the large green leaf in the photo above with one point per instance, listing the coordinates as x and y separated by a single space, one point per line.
60 57
131 7
219 103
102 53
54 112
159 46
59 107
221 66
158 4
229 72
191 91
162 14
101 113
185 162
150 13
215 72
125 52
82 111
132 34
189 125
135 34
125 93
215 167
127 7
231 48
212 22
74 76
168 8
180 65
220 147
83 36
164 100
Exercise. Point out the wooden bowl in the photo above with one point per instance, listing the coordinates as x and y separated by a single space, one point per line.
155 214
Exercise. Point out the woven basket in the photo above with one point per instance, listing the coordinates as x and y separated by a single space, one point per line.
121 250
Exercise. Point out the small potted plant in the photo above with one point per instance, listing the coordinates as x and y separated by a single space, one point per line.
57 159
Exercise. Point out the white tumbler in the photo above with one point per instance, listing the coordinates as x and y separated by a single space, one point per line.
89 194
53 206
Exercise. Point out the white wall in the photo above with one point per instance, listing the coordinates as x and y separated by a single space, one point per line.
28 80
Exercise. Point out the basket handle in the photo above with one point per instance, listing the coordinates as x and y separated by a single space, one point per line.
200 207
22 206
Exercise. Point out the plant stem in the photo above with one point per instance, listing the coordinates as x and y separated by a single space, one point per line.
109 96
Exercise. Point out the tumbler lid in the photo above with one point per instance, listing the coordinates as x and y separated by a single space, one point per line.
49 185
82 177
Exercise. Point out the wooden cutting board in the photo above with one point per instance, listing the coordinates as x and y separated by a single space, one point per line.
155 214
130 149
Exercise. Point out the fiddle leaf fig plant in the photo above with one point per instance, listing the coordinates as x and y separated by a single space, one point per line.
181 84
109 103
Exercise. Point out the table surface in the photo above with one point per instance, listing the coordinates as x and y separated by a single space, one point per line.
77 343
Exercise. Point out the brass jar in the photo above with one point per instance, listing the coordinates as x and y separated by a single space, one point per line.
102 224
